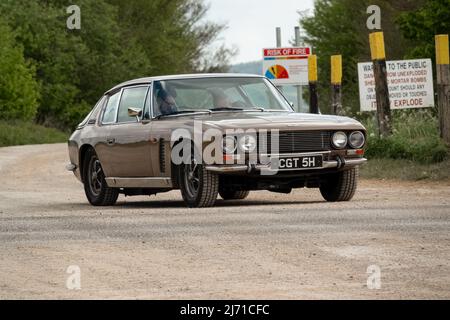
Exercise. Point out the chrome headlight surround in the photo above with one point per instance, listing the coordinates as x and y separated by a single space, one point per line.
339 140
248 143
229 144
356 139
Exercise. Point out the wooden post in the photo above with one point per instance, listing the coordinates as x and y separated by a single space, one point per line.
381 85
443 85
336 83
312 79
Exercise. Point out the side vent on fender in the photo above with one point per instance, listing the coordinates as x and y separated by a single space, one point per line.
162 156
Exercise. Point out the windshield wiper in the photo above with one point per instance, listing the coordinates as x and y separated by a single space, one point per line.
180 112
226 109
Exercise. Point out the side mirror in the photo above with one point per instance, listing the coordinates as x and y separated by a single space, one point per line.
135 112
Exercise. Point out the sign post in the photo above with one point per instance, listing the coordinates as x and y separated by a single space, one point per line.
287 66
443 85
278 35
381 86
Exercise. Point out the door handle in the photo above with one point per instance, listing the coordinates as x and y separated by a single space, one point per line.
110 141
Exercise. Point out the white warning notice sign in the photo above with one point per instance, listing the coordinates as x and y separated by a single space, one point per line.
410 84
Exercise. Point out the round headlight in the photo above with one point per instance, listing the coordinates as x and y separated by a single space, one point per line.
247 143
356 139
229 144
340 140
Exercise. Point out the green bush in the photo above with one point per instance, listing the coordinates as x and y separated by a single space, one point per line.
415 137
18 89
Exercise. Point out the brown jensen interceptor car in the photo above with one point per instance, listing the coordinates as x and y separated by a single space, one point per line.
210 135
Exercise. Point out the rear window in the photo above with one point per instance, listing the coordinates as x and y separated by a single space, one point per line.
92 116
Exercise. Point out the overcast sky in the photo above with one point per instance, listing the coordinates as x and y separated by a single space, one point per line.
252 23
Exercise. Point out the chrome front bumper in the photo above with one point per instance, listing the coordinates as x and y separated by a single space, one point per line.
341 163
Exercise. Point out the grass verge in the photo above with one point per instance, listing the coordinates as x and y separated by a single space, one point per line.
396 169
22 133
415 137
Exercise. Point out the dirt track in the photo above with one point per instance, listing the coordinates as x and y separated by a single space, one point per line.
269 246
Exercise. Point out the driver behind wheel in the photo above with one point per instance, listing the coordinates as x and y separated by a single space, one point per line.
166 102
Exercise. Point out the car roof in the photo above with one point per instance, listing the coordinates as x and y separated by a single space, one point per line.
148 80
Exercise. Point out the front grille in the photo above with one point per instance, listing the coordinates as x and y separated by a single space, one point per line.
297 141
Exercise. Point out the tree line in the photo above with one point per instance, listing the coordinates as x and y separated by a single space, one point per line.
339 27
53 75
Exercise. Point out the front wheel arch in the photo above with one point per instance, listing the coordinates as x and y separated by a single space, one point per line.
82 158
102 195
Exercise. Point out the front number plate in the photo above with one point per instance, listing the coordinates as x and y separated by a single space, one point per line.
296 163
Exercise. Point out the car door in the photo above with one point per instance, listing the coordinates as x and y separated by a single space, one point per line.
101 132
129 137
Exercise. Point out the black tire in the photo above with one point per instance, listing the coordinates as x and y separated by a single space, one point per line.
228 194
200 191
97 191
340 186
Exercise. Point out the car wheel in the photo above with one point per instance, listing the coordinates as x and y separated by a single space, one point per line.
97 191
198 186
228 194
340 186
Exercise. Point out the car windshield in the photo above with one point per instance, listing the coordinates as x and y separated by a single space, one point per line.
216 94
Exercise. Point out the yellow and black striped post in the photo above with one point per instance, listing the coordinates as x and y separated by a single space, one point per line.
312 79
443 85
336 83
378 54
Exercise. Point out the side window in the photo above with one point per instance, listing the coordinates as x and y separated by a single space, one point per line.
110 112
131 98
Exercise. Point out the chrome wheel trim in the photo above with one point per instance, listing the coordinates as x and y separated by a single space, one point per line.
192 178
95 177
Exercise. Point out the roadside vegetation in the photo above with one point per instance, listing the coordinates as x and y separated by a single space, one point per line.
415 137
14 133
396 169
52 76
413 152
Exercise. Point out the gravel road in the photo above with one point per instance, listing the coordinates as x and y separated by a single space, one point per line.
269 246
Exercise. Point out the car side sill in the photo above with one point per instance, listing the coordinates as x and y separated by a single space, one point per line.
154 182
